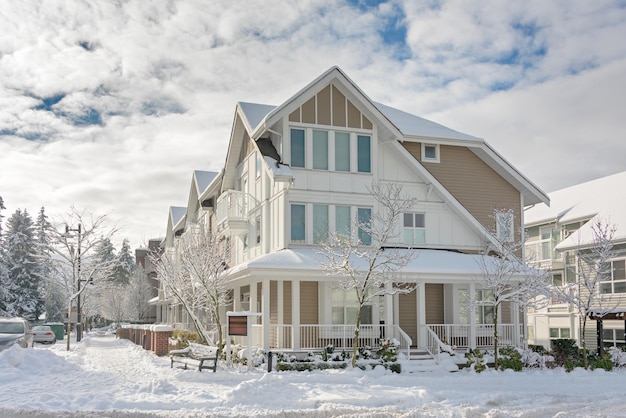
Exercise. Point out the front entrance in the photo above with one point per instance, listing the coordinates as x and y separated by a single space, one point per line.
408 311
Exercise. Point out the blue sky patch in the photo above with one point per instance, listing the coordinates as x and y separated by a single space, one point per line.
48 102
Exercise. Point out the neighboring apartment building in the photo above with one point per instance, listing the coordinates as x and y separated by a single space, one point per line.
555 235
297 171
142 258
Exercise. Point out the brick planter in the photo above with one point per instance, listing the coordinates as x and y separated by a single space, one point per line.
151 337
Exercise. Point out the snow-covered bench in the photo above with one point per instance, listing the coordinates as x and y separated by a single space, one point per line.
196 354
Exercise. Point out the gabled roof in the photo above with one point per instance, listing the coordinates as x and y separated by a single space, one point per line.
202 179
177 215
602 199
402 125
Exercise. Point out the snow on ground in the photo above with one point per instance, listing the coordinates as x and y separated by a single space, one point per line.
107 377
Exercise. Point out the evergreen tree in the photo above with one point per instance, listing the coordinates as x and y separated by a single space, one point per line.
51 290
105 254
126 264
2 207
24 275
3 269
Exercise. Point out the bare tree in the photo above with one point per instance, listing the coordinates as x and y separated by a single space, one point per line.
205 257
74 240
592 268
138 294
360 258
506 276
113 301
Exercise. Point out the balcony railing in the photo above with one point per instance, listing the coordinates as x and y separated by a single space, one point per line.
233 209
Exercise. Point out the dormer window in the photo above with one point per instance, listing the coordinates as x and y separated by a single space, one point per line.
430 153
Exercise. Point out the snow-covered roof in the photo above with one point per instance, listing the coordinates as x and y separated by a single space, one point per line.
254 113
177 213
426 263
602 199
412 125
279 171
408 124
203 179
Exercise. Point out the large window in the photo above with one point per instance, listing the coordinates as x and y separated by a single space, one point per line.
298 148
364 216
559 333
320 223
414 228
298 224
364 154
342 151
613 337
548 239
343 221
484 309
320 150
616 278
345 308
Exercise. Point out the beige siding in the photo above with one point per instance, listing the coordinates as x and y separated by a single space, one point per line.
473 183
308 111
505 313
274 302
408 314
434 303
309 313
339 108
323 106
354 116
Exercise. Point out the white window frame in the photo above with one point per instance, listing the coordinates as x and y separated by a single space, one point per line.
426 159
612 281
345 303
559 331
414 230
508 234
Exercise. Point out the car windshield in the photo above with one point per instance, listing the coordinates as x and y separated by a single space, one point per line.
11 328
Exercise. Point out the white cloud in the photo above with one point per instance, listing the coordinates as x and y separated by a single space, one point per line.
154 85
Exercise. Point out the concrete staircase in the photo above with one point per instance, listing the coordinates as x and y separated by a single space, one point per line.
422 362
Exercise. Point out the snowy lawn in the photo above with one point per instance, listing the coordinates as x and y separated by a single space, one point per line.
106 377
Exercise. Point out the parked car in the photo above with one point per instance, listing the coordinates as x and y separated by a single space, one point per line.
44 334
15 331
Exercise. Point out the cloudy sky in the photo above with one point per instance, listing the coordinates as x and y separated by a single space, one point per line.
109 106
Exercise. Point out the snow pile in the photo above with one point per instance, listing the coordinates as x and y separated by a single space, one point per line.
106 377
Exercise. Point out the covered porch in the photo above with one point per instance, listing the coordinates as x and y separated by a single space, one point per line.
298 307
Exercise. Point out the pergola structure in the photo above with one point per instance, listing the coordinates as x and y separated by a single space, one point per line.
600 316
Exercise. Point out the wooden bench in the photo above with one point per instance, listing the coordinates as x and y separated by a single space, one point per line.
196 354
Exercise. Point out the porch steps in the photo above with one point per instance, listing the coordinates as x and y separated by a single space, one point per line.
422 362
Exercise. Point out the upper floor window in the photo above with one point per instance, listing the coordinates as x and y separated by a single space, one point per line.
343 221
616 278
298 147
342 151
320 223
320 150
258 165
505 226
548 239
364 153
364 216
298 225
414 228
257 224
430 153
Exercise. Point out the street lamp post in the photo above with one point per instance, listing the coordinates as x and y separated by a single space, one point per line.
79 327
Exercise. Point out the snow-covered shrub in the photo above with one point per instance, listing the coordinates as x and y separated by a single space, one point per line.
365 353
476 360
510 358
388 351
618 356
534 359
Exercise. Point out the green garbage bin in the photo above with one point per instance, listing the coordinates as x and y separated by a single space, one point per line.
58 328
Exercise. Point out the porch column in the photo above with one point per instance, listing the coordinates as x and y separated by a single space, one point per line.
472 317
265 310
295 314
516 323
280 314
237 298
253 297
388 307
421 314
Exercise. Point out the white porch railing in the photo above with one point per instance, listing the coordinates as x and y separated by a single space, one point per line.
234 207
459 335
317 337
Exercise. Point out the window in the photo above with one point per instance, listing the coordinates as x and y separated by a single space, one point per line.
484 313
258 165
342 151
258 229
557 279
414 228
613 337
364 154
320 223
505 226
548 239
320 150
364 216
297 148
430 153
345 308
245 242
559 333
616 278
343 222
298 229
